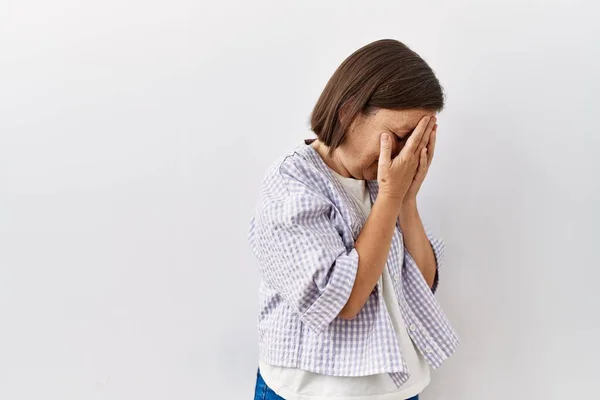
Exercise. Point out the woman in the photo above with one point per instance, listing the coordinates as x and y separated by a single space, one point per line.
348 271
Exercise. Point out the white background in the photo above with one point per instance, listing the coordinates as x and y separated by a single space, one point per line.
133 139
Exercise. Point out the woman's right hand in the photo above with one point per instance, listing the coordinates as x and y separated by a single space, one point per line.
396 175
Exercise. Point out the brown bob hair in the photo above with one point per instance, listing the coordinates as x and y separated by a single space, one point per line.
383 74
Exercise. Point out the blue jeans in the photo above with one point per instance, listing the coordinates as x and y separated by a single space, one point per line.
263 392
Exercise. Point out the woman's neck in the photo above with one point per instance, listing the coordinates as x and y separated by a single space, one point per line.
332 159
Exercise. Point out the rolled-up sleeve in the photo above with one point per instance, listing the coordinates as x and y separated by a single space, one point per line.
303 257
437 245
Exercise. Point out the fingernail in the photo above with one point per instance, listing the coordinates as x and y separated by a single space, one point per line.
385 138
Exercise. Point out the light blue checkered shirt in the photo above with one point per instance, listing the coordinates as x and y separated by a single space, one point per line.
303 235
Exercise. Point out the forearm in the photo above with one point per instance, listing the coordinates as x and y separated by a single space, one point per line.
416 241
373 246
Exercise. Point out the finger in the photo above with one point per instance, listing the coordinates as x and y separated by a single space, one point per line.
423 161
385 150
412 144
426 136
431 145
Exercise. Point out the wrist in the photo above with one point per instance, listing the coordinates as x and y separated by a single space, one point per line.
390 203
409 202
409 206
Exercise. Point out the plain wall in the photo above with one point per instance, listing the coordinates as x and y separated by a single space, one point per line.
133 139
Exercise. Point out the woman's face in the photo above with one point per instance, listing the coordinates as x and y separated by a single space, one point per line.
358 155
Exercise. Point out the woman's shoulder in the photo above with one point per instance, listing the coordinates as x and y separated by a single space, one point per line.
295 173
298 165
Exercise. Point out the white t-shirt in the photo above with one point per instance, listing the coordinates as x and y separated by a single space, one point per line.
296 384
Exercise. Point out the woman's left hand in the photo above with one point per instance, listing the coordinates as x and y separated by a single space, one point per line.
424 163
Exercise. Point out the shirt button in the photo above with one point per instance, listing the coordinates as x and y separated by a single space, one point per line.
412 327
428 349
396 276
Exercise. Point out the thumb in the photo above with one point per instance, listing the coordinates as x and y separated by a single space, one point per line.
385 151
